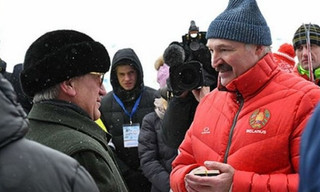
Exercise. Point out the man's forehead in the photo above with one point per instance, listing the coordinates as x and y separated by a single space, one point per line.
217 43
125 67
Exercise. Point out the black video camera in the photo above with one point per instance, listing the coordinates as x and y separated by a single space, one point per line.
190 64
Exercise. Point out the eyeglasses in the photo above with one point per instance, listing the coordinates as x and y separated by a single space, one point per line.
101 76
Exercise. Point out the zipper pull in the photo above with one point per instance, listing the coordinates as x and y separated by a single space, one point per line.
239 97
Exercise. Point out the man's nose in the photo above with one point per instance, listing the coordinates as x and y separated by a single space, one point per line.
102 90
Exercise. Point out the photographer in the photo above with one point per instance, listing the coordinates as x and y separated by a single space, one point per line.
191 77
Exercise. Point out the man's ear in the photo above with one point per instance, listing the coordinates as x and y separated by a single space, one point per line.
259 49
67 87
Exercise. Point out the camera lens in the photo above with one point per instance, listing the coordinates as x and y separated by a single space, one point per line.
187 76
194 45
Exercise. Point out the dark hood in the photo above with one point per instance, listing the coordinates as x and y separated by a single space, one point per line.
126 56
14 123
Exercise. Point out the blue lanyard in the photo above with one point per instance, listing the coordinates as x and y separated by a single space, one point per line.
134 109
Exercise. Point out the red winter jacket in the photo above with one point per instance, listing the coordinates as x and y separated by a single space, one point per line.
264 113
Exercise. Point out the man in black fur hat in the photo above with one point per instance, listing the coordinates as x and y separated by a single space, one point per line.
23 161
63 72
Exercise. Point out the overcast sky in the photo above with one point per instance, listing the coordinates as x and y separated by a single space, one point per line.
147 26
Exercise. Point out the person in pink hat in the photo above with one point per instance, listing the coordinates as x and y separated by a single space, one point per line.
162 71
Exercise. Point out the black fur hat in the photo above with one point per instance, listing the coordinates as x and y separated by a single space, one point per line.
60 55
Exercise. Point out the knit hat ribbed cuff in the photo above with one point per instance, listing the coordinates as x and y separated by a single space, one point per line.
300 36
241 21
242 32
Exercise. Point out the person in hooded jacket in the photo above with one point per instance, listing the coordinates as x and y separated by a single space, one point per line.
3 69
23 99
27 165
122 111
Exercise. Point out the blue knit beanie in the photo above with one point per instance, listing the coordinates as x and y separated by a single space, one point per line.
241 21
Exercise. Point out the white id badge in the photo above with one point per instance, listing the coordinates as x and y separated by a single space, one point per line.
131 135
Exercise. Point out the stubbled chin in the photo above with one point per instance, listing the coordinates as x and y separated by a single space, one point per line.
225 77
305 65
128 88
223 82
96 115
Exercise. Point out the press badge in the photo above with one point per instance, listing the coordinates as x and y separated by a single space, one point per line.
131 135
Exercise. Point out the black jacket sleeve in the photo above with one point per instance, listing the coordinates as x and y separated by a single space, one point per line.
178 119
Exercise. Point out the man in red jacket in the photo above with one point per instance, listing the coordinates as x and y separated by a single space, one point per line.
249 128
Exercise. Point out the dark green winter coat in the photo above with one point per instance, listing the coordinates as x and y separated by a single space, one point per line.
67 128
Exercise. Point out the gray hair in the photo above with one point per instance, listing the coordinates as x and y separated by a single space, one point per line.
47 94
266 49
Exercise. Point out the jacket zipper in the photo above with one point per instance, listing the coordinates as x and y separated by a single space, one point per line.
241 101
